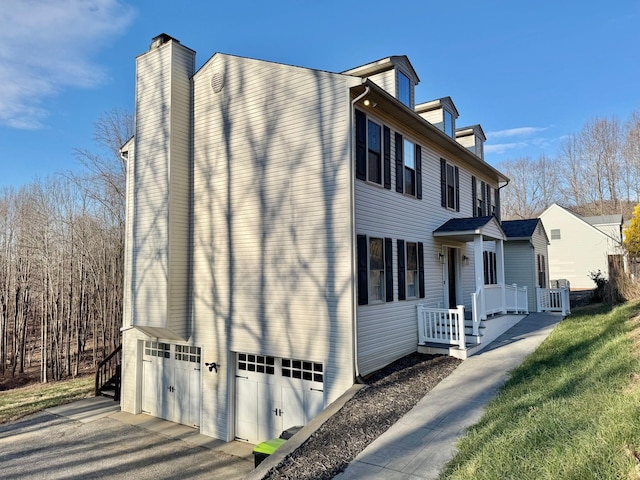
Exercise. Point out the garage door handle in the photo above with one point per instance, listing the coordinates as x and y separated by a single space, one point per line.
278 412
316 390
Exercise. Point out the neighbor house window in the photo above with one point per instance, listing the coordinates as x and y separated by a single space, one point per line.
412 270
555 234
448 123
404 89
374 149
449 185
542 271
375 276
489 260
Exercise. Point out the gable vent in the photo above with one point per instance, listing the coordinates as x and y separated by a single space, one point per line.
217 81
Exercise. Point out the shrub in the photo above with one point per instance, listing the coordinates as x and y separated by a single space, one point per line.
618 289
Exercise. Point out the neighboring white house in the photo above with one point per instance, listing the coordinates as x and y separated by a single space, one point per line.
526 258
581 245
283 225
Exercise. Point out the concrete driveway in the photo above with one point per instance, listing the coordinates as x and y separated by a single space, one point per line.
93 439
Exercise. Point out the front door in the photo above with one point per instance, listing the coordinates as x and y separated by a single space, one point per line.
451 276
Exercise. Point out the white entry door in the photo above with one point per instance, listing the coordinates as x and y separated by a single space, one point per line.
274 394
171 382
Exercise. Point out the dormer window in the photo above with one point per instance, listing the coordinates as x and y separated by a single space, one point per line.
404 89
448 123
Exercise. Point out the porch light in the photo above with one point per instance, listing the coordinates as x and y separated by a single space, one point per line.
465 260
369 103
441 257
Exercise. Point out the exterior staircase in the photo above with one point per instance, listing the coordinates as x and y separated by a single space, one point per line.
488 331
108 375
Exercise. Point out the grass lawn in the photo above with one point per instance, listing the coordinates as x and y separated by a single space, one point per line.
19 402
570 411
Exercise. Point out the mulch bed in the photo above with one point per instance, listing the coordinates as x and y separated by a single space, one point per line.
389 394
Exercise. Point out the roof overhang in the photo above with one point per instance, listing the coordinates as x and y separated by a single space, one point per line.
387 104
468 229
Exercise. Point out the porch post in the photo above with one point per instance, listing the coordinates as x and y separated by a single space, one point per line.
500 272
479 273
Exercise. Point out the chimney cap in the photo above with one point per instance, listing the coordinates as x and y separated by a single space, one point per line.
161 40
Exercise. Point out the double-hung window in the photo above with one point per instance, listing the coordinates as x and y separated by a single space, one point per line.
449 185
375 274
374 149
490 268
412 270
408 167
376 270
542 272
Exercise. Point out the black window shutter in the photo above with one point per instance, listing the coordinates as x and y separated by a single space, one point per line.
363 286
402 294
498 203
421 269
388 268
474 194
418 172
361 145
488 199
443 182
399 164
484 199
387 157
457 170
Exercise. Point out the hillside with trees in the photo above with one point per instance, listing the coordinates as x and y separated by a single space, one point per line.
595 172
61 264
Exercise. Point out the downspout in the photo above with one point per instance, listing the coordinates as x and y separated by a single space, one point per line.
500 188
354 256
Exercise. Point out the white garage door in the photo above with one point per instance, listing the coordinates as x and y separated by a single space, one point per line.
274 394
171 382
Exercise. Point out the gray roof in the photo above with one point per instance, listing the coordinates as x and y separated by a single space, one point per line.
463 224
520 228
604 219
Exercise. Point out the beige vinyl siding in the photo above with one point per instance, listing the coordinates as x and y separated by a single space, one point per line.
127 318
387 81
150 222
180 191
272 232
388 331
161 194
581 249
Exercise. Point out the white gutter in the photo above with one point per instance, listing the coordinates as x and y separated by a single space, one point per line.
354 256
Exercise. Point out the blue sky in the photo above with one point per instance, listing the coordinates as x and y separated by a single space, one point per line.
530 73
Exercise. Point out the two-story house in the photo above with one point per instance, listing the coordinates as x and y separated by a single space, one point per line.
283 226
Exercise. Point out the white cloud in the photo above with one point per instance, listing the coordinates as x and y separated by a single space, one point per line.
47 46
504 147
515 132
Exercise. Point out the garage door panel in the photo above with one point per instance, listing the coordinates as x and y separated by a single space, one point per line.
288 393
246 410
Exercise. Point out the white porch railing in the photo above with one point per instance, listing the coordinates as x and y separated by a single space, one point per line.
441 325
493 300
553 300
516 299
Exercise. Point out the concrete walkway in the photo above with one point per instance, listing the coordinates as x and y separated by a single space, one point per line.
423 440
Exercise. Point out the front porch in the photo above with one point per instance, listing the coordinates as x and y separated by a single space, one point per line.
461 333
